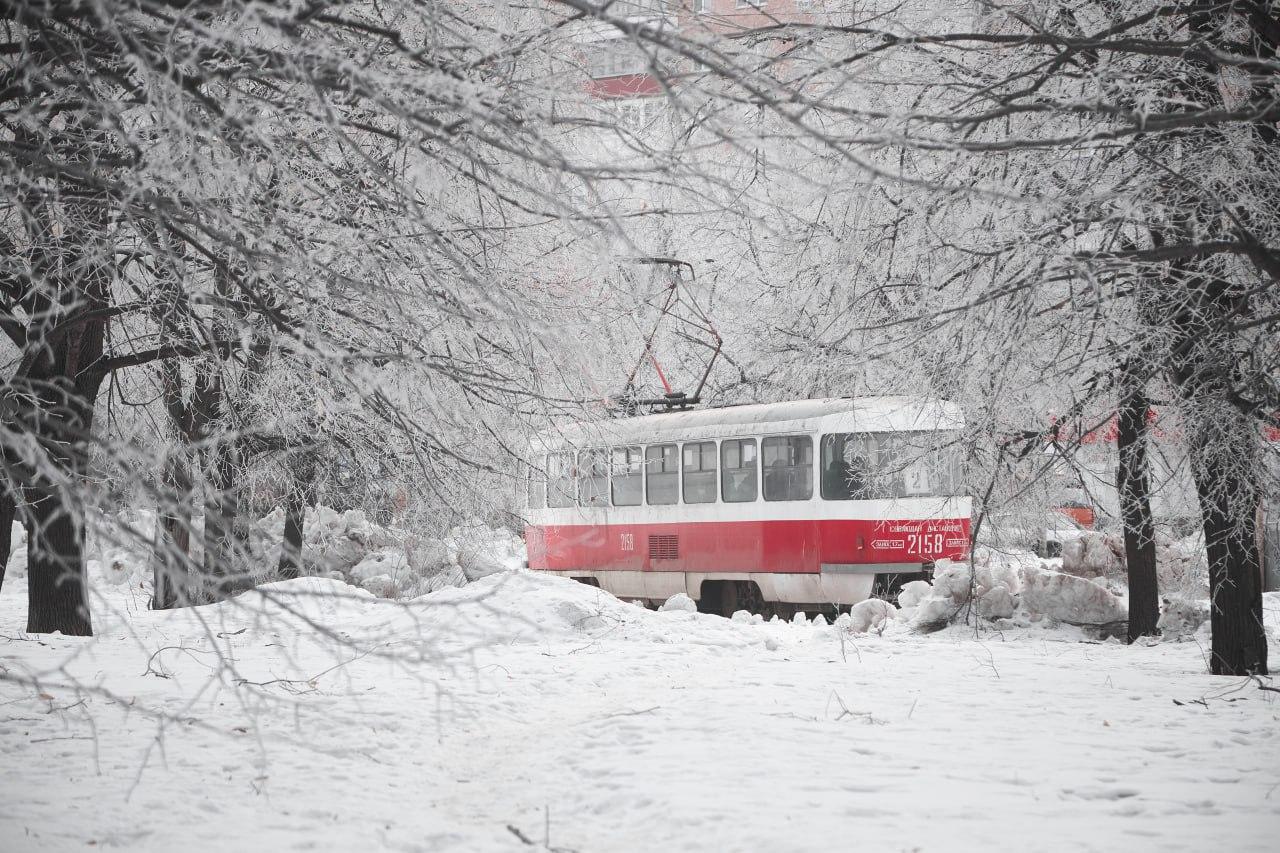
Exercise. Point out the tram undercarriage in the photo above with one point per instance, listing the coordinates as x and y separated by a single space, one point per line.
831 591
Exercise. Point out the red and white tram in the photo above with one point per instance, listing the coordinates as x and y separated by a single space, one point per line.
800 504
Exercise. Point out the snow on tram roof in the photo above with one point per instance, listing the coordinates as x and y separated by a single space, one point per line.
831 414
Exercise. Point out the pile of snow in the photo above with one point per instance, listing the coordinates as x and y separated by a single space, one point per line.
1094 554
1181 618
679 603
343 546
1071 599
872 615
118 548
931 606
1009 589
526 606
391 562
1181 564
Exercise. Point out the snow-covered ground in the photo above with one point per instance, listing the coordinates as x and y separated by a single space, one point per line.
528 712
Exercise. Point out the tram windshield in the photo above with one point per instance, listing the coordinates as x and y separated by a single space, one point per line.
870 465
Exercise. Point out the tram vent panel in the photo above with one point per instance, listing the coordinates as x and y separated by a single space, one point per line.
664 547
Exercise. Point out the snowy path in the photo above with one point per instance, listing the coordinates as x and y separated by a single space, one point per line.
622 729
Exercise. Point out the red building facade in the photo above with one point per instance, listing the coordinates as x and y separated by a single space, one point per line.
617 67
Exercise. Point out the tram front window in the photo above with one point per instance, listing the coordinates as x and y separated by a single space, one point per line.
868 465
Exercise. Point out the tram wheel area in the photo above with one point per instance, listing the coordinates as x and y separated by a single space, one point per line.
726 598
887 586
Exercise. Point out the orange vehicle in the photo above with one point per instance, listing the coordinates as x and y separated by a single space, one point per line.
1081 513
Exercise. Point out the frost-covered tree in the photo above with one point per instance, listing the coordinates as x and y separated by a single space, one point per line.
1052 211
212 197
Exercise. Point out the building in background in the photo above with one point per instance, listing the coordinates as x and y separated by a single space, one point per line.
617 67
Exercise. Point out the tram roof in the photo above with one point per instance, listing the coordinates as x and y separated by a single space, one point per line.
831 414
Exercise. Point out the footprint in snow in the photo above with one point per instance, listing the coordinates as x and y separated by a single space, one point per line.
1099 793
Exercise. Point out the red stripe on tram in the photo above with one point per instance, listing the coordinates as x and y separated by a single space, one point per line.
744 546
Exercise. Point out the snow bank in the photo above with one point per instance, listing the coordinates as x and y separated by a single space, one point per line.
679 603
346 546
1071 599
525 606
1019 587
951 588
997 603
1093 554
1181 564
874 614
394 563
1181 618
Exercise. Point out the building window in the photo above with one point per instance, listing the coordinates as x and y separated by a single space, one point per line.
701 6
788 467
751 4
662 474
616 58
700 472
628 473
738 470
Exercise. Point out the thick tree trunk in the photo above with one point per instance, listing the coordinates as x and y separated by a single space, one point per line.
57 596
1223 447
55 404
62 420
8 510
1134 487
1235 569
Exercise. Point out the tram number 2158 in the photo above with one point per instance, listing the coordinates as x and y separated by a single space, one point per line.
924 543
627 541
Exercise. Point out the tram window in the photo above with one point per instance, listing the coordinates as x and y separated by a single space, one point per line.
593 478
561 491
700 472
846 469
627 473
788 467
536 485
738 470
662 473
859 466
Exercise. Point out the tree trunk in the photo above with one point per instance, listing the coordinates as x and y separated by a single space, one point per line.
291 550
172 557
8 509
1235 570
300 497
1134 488
57 596
59 413
1223 447
221 506
57 393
